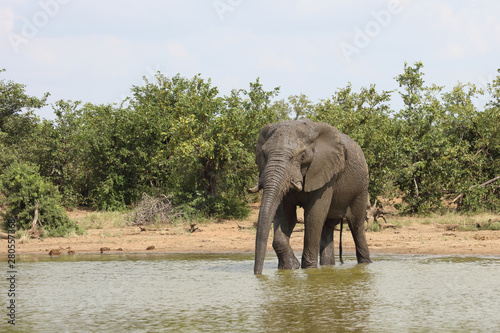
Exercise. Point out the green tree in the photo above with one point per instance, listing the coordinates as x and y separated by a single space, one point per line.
121 147
471 157
419 141
59 152
23 187
14 101
485 144
301 106
18 123
365 117
209 140
457 165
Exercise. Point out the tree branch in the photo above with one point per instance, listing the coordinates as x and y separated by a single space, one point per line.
33 232
473 186
416 187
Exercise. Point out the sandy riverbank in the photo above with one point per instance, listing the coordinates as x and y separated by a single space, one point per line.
239 236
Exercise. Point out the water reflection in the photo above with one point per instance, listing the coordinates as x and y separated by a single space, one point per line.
315 300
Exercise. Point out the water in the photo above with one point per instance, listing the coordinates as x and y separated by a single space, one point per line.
220 293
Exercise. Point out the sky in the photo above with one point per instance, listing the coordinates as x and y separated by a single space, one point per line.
97 50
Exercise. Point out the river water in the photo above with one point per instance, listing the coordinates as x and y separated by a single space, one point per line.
220 293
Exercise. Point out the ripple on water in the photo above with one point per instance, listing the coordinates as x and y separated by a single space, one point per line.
218 292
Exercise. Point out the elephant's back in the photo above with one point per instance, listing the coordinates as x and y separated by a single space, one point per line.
355 161
353 180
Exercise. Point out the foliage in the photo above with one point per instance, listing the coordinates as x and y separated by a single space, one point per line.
18 124
419 141
23 187
365 118
179 137
208 140
60 152
298 106
13 100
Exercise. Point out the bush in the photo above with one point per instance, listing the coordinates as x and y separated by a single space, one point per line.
494 226
232 207
480 199
153 210
22 187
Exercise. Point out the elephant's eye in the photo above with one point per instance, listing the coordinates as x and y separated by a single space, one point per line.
306 157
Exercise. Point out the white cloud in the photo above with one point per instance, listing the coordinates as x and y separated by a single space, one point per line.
484 33
470 30
314 6
268 59
177 50
452 50
180 59
6 21
102 56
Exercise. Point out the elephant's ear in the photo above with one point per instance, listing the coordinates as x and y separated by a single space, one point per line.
263 136
328 158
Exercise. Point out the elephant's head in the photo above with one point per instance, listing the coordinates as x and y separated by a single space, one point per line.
292 155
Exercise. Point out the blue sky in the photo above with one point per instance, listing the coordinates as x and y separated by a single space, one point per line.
96 50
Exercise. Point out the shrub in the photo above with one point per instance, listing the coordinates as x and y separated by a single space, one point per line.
153 210
22 187
232 207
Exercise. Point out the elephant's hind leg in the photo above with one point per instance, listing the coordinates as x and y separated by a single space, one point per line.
357 225
327 251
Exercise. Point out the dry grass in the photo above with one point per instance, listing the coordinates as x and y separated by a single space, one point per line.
462 222
22 236
102 220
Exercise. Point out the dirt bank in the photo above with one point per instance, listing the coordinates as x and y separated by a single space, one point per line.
239 236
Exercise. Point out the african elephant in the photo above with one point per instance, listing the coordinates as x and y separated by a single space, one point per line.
315 166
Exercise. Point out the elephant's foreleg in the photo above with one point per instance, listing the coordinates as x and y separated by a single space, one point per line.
284 222
327 251
357 225
314 219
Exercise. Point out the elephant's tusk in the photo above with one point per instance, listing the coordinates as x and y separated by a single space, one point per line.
255 189
297 186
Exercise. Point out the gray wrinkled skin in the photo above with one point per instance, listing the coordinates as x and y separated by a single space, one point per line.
314 166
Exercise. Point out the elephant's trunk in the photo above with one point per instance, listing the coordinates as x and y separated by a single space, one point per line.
275 187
